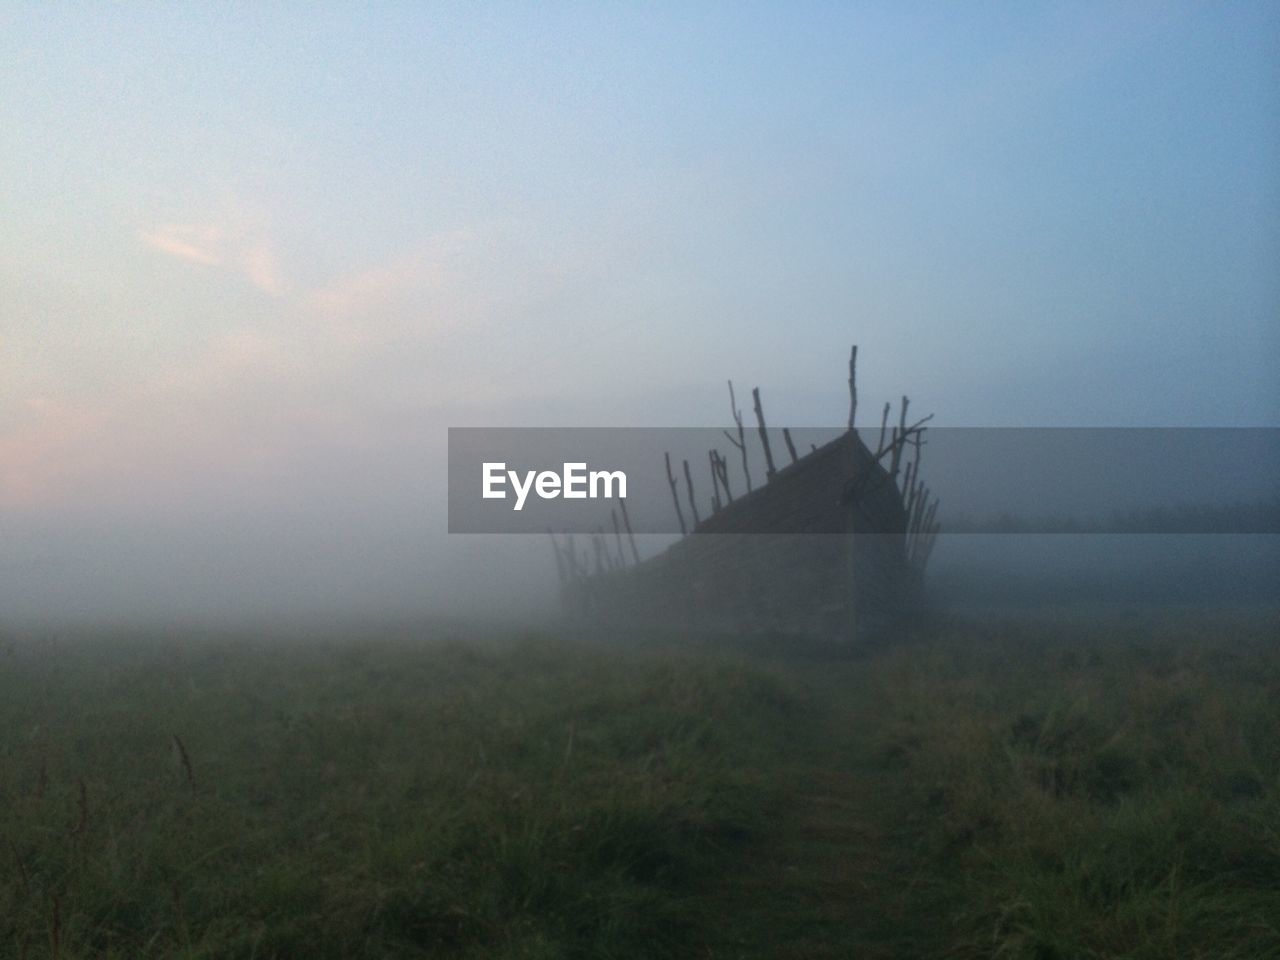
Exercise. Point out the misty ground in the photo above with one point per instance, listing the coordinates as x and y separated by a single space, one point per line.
1048 785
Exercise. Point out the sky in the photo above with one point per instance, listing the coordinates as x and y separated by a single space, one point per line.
255 260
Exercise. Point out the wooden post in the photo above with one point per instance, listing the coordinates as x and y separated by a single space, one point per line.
723 465
931 527
764 435
597 547
921 504
560 571
923 534
715 482
884 425
610 563
693 506
631 537
617 535
675 496
853 384
741 442
900 439
791 447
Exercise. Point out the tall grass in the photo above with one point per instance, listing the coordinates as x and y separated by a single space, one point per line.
1105 789
361 799
1039 789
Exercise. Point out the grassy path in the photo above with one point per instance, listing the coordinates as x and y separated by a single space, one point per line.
836 877
1030 791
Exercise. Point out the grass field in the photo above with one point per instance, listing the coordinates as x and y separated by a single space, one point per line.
1043 788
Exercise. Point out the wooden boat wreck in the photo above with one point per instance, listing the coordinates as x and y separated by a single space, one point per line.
832 546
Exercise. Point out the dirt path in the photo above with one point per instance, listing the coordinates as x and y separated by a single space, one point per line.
838 877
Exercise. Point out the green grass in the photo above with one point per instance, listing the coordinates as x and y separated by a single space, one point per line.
1106 789
1037 789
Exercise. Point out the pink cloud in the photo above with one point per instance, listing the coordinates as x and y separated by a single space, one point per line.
241 250
250 385
194 244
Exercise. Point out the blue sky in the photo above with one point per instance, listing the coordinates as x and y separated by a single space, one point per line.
252 253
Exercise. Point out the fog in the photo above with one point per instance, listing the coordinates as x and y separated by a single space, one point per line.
249 286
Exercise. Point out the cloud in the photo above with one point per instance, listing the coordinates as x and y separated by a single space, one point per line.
194 244
310 373
243 250
367 292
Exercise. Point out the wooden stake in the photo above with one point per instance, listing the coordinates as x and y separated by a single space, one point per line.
723 465
884 425
764 435
715 482
631 537
853 384
617 535
693 505
920 512
560 571
900 438
597 547
791 447
741 441
922 546
931 527
675 496
894 445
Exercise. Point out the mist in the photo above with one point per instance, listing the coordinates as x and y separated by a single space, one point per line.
232 348
958 643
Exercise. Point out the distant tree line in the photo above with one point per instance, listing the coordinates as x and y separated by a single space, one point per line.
1238 517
